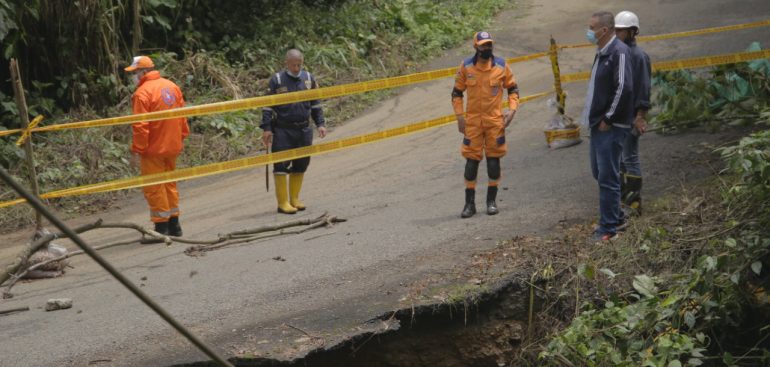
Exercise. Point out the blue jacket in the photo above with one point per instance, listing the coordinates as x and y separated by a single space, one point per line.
641 69
294 113
612 99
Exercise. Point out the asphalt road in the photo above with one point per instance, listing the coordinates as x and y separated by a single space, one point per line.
402 198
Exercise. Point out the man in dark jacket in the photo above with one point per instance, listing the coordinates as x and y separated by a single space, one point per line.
609 114
626 29
288 126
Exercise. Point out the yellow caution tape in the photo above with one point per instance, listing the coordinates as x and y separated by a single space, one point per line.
341 90
10 132
251 162
27 132
575 77
694 63
762 23
697 32
271 100
702 62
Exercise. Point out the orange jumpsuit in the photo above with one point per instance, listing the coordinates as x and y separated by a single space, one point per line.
484 128
159 142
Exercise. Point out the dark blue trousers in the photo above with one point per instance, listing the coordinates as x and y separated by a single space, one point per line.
290 138
606 150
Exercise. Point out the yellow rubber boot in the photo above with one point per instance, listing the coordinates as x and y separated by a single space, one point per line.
295 185
282 195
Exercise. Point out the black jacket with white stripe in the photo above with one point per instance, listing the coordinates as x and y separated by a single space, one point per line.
613 93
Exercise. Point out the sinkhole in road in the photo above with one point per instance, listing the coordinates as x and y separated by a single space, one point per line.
486 329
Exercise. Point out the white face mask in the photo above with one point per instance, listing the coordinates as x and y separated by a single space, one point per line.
294 75
135 78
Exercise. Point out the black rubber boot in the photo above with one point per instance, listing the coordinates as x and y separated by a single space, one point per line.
491 197
470 204
174 228
161 228
633 195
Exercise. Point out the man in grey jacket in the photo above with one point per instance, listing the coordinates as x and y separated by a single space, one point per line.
609 113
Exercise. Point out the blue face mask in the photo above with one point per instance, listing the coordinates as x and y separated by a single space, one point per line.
591 37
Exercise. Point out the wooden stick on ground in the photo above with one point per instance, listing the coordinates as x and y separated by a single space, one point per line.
278 230
12 310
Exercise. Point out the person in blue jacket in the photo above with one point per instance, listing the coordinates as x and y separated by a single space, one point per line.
288 126
626 29
609 113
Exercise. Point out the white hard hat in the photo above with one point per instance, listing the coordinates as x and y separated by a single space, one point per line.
626 19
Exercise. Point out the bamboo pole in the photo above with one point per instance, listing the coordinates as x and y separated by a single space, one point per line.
136 40
21 104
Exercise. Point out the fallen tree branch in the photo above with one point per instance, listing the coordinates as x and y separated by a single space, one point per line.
202 246
260 233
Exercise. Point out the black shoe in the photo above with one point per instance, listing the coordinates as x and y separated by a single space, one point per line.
491 197
161 228
174 228
470 204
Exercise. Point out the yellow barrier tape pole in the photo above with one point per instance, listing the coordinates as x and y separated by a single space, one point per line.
271 100
27 132
560 95
693 63
256 161
697 32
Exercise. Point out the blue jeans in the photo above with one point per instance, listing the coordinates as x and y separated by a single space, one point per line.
606 150
630 162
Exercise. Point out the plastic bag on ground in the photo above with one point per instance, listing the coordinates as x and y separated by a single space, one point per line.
51 270
561 131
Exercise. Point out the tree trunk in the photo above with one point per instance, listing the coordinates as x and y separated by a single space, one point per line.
137 34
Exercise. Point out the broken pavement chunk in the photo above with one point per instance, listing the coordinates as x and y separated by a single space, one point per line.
58 304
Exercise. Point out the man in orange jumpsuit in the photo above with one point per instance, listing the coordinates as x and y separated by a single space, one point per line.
157 144
484 77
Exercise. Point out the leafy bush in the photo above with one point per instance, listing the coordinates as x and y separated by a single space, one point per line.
750 159
734 94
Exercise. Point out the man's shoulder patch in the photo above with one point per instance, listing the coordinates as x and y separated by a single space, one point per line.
499 61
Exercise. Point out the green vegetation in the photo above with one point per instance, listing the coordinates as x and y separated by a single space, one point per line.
732 94
72 55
